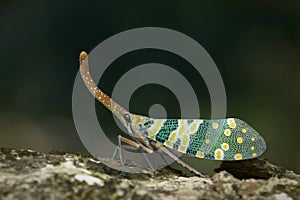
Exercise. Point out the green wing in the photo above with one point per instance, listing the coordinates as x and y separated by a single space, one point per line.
223 139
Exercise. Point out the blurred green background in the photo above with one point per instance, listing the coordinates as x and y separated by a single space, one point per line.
255 44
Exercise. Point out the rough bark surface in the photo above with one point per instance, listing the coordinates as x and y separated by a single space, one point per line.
27 174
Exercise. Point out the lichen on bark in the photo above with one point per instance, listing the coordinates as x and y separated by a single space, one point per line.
27 174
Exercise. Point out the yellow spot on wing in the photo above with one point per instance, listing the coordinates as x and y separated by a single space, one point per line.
227 132
207 141
182 149
193 127
238 156
181 122
219 154
232 125
231 122
253 139
225 146
200 154
215 125
168 143
252 148
181 129
157 125
239 140
185 140
172 137
254 154
244 130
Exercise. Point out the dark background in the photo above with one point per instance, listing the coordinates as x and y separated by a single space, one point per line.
255 44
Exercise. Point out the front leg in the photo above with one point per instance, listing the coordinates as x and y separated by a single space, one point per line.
134 144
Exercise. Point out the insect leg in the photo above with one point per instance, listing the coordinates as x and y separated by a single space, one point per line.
148 161
119 150
135 145
185 165
115 153
162 157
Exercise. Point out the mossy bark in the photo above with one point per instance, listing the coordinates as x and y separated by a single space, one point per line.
27 174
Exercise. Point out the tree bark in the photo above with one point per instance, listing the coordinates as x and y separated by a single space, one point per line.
27 174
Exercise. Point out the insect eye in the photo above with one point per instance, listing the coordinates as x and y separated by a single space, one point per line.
127 117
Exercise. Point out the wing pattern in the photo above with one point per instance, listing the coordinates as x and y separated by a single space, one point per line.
223 139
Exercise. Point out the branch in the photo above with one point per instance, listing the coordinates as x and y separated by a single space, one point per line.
27 174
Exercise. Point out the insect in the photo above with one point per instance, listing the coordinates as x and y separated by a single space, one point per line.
220 139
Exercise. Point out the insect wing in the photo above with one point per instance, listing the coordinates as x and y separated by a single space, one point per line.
223 139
